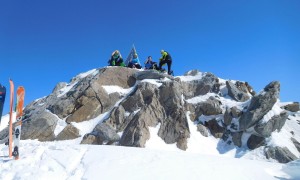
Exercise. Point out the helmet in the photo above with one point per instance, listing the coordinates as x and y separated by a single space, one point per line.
117 52
162 51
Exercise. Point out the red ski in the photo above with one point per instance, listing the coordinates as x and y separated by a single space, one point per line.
19 111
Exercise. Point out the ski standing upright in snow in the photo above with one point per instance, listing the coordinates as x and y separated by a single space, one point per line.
2 99
19 112
10 140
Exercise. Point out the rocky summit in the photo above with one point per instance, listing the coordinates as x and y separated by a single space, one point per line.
119 106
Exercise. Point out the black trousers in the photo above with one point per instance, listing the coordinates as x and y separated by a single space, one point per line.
169 63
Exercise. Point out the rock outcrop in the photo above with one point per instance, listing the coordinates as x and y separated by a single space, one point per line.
131 102
260 105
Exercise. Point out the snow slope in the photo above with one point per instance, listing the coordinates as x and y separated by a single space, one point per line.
63 160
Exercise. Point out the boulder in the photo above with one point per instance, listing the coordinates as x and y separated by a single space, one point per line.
255 142
203 130
216 130
296 143
199 87
151 74
260 105
237 91
69 132
275 123
294 107
227 117
40 127
90 139
237 138
209 107
281 154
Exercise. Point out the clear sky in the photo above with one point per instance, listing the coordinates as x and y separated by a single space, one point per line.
46 42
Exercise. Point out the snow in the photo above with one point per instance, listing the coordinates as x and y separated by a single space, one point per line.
205 158
118 89
191 78
276 110
60 160
152 81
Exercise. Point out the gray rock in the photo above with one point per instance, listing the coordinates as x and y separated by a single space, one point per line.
260 105
294 107
199 87
237 91
135 134
203 130
255 142
40 127
90 139
237 138
192 73
227 117
296 143
151 74
275 123
216 130
69 132
58 87
235 112
209 107
281 154
105 134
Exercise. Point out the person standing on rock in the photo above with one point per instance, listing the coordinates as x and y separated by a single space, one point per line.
165 59
116 59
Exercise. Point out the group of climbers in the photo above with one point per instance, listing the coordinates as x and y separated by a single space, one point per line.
133 62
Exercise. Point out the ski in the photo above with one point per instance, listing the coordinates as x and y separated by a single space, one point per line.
2 99
19 111
10 118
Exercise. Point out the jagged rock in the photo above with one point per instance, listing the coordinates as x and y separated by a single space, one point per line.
117 118
275 123
192 73
294 107
40 127
260 105
281 154
255 142
250 89
151 74
209 107
175 129
216 87
296 143
102 134
235 112
135 134
216 130
58 87
90 139
199 87
237 91
227 117
203 130
237 138
69 132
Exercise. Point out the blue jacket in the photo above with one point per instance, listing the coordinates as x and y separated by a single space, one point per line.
135 60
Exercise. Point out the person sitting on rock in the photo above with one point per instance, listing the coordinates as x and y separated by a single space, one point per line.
134 62
149 64
116 59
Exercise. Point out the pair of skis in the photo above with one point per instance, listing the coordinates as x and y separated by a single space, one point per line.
14 148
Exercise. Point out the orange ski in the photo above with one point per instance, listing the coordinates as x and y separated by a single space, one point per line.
19 112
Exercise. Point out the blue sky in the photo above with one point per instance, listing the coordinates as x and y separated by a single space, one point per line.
46 42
